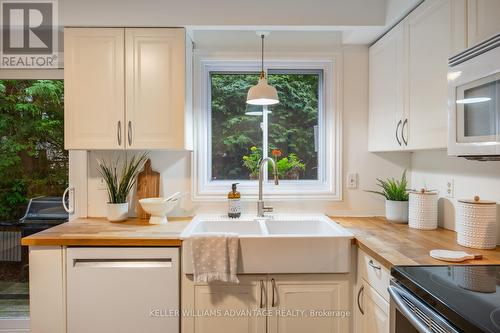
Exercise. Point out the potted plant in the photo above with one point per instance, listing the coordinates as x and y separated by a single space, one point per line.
119 186
396 198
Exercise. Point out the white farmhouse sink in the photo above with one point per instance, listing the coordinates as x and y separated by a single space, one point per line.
279 244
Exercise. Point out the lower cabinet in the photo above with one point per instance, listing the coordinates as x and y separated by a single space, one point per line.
282 303
226 307
371 298
372 313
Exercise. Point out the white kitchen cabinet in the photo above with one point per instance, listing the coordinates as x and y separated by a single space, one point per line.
210 307
386 99
435 31
125 88
483 20
155 88
371 298
47 292
94 96
408 85
316 299
321 297
373 311
122 290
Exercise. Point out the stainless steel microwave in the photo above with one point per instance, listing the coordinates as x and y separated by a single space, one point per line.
474 102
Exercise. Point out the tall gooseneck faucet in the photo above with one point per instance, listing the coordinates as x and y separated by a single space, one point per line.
261 208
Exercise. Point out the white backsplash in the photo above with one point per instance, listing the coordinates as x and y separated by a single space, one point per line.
433 169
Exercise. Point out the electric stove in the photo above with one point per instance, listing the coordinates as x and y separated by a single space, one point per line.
467 297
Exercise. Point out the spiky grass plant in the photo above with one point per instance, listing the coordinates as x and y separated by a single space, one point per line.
392 189
119 186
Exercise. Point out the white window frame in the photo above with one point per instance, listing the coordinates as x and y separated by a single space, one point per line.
327 187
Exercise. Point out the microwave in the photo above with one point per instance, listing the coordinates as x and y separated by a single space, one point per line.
474 102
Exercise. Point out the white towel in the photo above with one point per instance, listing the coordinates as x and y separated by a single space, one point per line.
215 257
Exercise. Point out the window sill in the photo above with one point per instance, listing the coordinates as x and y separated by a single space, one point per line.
287 190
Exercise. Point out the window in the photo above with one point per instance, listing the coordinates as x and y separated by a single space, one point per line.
33 163
300 133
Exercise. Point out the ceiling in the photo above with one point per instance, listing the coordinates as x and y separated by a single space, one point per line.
344 21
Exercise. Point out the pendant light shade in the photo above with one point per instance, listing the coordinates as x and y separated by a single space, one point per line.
262 93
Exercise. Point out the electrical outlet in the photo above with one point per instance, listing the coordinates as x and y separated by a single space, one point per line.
352 181
450 188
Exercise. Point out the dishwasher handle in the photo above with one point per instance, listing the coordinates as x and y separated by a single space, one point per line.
401 298
123 263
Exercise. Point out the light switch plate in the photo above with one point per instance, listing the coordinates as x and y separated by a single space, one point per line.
352 181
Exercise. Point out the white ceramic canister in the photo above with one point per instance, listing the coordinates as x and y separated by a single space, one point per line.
476 223
423 210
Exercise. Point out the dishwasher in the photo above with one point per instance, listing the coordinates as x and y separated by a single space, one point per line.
125 290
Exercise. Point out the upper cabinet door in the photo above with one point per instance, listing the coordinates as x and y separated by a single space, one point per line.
94 88
386 100
483 20
436 29
155 88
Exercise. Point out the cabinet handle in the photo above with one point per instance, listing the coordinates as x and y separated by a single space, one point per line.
262 294
397 132
359 295
119 132
403 132
273 299
373 265
129 133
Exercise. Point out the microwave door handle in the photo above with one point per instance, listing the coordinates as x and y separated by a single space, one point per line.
406 311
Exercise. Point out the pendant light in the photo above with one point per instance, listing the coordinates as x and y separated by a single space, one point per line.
262 93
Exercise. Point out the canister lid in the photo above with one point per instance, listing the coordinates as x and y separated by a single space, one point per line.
424 191
477 200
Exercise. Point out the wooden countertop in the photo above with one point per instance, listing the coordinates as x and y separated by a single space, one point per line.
390 244
100 232
397 244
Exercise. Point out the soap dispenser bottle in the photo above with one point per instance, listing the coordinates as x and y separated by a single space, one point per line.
234 203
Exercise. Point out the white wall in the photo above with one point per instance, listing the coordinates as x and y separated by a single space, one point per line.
175 167
433 169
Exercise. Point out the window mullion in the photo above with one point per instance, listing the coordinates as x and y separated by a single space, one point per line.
265 138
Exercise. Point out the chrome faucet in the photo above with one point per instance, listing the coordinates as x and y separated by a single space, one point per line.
261 208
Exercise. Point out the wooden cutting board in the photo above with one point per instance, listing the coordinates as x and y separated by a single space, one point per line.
148 186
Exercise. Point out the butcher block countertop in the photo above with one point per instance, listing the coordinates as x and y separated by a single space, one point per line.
100 232
390 244
397 244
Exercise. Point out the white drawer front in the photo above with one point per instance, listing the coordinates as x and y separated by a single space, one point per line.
374 273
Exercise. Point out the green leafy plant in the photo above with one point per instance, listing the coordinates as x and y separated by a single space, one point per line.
33 161
252 160
392 189
288 167
119 186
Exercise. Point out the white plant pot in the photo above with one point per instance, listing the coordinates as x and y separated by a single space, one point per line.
117 212
396 211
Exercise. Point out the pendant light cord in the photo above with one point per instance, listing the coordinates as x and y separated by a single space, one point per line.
262 57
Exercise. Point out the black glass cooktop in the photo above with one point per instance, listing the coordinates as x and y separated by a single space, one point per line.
468 296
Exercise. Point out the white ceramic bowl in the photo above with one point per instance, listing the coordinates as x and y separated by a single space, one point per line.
158 208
